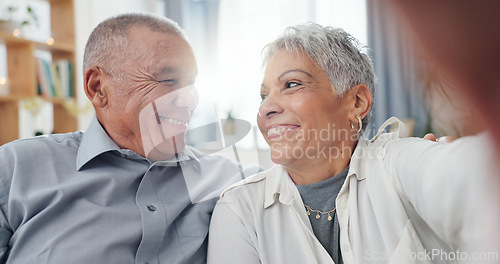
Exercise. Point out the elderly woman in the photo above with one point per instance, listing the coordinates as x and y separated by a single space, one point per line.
333 196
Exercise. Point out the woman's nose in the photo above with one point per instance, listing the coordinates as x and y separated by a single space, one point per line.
270 106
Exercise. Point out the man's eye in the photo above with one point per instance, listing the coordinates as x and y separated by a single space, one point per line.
291 84
169 82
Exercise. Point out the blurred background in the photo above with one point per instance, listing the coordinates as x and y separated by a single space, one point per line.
227 37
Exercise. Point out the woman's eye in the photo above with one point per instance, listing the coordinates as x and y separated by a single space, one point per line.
291 84
263 97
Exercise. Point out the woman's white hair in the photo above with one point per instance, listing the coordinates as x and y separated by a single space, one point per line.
337 54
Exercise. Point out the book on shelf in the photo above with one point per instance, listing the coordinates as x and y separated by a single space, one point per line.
55 80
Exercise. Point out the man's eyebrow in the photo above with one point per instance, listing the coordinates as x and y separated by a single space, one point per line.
165 71
294 70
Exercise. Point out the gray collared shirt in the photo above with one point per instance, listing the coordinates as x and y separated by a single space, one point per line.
79 198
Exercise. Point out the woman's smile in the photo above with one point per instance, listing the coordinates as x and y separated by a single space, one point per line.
280 130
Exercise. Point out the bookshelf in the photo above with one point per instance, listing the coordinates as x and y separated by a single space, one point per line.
22 71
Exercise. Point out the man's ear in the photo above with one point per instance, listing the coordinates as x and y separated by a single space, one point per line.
93 84
362 101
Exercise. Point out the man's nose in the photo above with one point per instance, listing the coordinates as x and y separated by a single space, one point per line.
186 97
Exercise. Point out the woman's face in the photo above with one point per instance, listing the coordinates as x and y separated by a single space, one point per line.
301 117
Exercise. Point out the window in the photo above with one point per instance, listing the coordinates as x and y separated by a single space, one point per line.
230 73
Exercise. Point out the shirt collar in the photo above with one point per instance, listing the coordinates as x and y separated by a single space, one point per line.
279 186
357 158
96 141
368 149
186 155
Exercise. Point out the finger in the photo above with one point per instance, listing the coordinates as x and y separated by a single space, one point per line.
430 136
446 139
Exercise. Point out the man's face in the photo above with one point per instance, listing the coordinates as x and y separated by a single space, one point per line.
153 95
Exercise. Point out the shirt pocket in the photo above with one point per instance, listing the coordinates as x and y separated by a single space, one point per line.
410 249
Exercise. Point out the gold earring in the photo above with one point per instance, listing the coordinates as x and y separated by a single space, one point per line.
360 125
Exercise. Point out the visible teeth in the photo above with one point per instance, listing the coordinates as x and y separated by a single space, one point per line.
171 120
278 130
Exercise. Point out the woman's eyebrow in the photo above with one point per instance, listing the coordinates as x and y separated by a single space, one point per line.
294 70
262 87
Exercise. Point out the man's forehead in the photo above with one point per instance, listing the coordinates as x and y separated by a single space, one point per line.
140 31
161 53
160 44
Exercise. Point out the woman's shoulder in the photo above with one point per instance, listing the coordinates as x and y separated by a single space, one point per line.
252 187
248 197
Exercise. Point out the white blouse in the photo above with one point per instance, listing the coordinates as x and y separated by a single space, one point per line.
405 200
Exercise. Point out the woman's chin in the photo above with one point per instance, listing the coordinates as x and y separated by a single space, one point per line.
282 156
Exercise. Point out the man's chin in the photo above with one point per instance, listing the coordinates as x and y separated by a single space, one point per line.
166 150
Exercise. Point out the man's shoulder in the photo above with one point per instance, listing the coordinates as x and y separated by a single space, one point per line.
43 144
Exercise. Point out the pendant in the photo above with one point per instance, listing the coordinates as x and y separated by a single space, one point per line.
317 216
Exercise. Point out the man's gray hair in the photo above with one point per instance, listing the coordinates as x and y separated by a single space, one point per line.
337 54
109 40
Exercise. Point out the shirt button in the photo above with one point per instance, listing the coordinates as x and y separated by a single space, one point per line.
151 208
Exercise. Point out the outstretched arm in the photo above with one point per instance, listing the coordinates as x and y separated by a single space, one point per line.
451 186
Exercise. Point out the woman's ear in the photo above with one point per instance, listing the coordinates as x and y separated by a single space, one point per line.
362 100
93 84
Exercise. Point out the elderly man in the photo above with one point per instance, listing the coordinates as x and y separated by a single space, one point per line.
128 190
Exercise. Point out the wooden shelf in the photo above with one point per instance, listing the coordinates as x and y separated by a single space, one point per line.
10 39
16 98
22 68
11 98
